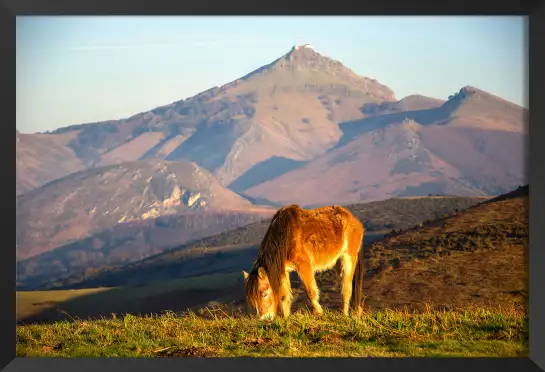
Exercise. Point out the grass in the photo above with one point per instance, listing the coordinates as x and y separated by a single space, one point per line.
473 332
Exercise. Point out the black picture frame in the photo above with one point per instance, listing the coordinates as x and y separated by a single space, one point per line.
535 10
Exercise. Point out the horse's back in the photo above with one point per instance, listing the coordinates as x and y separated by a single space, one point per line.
322 229
326 227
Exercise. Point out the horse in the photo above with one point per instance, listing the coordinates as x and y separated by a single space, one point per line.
307 242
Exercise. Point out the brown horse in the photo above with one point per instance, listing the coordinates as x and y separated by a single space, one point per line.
306 241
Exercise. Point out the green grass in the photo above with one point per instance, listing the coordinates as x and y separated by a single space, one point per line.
467 333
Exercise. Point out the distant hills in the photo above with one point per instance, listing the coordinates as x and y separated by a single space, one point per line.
90 201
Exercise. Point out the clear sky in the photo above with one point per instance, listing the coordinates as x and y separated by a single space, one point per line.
73 70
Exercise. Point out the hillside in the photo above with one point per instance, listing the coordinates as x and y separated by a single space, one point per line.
109 215
235 250
84 203
476 256
473 144
41 158
128 242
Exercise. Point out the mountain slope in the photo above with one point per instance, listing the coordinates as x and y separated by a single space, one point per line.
85 203
474 107
125 243
288 109
414 102
41 158
473 144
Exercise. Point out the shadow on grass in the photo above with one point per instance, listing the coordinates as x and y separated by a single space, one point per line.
155 298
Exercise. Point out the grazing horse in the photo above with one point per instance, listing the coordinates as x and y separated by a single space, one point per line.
306 241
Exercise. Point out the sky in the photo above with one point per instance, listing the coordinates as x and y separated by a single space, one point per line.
74 70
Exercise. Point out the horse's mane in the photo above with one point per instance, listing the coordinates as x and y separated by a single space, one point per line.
272 254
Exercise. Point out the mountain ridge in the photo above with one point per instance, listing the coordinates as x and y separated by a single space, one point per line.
296 108
96 199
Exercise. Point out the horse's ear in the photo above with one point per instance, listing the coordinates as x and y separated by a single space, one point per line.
246 275
261 273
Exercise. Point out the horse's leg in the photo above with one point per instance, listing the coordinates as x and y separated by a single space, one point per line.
285 295
348 268
306 273
339 269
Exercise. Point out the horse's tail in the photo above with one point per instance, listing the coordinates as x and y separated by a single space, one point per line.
357 281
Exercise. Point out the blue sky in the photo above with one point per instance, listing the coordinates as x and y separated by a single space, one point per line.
73 70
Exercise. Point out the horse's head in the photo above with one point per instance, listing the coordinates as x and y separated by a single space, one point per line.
259 293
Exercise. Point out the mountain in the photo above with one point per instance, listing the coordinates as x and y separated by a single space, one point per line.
414 102
288 130
42 158
286 110
83 204
473 144
235 250
291 108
